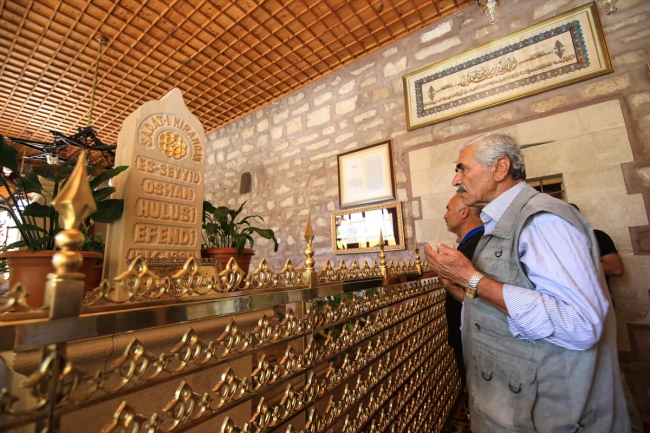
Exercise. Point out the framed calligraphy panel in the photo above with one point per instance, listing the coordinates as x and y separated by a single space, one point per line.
553 53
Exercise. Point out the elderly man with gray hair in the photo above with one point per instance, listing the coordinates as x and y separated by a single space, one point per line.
539 335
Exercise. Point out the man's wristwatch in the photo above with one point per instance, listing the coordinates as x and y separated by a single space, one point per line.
470 290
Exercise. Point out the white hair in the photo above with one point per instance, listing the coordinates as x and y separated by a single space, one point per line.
498 144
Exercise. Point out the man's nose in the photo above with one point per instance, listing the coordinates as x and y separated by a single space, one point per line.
456 181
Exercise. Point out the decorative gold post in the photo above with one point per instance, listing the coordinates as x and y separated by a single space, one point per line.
309 275
418 264
65 289
382 255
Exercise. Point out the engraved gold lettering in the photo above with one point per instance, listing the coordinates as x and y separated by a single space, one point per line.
153 234
140 163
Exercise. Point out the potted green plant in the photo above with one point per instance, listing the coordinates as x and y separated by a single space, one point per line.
225 236
28 203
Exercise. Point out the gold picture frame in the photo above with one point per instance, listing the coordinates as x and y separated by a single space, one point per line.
366 175
357 230
556 52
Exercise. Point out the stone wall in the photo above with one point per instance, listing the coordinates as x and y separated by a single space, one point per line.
290 146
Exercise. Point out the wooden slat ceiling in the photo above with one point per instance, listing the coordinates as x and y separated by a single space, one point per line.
228 57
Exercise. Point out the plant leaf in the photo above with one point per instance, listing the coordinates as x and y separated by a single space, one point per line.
108 174
101 194
52 172
37 210
8 156
108 210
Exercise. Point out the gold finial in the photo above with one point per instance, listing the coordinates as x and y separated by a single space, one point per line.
65 288
382 254
309 276
75 201
418 264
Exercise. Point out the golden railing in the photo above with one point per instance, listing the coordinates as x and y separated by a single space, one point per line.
199 348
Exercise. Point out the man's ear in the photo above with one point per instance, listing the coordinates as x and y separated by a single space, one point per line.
501 168
464 212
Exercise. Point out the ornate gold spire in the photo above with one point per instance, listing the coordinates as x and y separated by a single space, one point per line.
382 255
309 275
64 290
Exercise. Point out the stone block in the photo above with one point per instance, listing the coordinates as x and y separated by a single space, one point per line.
446 154
318 117
363 69
612 146
346 106
562 156
287 202
418 139
624 23
453 130
420 183
394 68
263 125
336 81
484 31
419 159
290 153
276 133
639 98
321 99
389 52
319 88
248 133
500 117
298 111
294 125
630 291
343 137
347 87
379 94
324 155
368 82
555 127
638 35
600 117
364 116
370 125
438 48
547 7
318 144
281 117
305 139
605 86
329 130
293 98
620 211
436 32
281 147
630 57
221 143
549 104
440 178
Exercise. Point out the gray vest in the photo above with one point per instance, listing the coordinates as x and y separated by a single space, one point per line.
518 385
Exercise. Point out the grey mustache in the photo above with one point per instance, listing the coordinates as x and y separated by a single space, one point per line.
460 189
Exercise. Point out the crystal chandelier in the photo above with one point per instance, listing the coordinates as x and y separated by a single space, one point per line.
610 5
490 9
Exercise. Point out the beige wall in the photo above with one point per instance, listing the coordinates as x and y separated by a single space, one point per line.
588 147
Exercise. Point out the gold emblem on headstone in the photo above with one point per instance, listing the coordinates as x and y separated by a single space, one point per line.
172 145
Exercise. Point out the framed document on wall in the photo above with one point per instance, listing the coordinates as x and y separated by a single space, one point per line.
366 175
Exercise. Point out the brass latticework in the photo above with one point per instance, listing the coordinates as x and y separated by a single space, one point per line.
346 349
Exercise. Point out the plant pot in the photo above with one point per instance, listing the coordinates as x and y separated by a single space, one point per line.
95 277
31 268
224 254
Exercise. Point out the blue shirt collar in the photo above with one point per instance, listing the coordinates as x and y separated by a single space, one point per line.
472 233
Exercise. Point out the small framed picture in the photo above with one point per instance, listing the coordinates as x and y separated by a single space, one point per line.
366 175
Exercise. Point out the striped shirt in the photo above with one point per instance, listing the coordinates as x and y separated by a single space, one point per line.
568 306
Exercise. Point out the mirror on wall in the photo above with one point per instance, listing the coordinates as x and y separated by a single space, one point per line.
357 230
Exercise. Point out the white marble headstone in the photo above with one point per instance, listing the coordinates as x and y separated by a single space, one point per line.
164 146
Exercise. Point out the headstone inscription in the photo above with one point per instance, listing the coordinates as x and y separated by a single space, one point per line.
163 143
